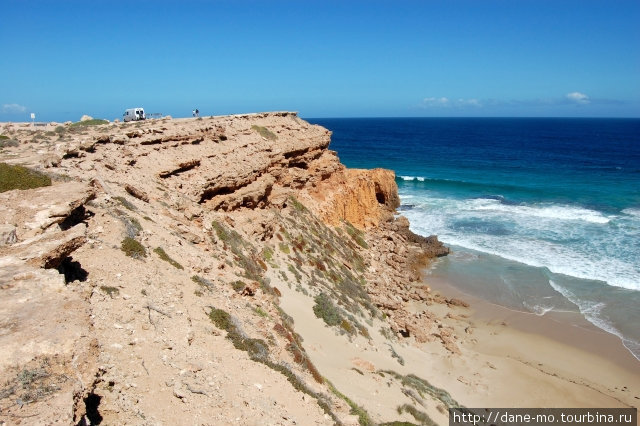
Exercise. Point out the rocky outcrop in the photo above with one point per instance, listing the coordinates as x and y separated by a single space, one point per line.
164 259
47 353
365 198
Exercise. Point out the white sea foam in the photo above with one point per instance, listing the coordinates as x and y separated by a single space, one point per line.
590 310
632 212
547 211
568 240
411 178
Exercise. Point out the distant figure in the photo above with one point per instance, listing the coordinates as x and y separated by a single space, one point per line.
193 112
197 113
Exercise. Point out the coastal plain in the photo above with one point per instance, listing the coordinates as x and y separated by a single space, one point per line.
230 270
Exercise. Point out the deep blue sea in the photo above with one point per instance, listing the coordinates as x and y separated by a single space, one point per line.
542 214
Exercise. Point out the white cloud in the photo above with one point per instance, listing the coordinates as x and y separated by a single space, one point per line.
433 102
13 108
469 102
579 98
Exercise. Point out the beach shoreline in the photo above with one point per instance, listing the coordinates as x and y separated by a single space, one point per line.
561 346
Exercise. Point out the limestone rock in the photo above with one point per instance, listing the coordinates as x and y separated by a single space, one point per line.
140 195
34 210
86 118
7 234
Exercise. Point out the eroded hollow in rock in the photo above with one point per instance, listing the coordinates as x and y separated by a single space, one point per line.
77 215
93 417
72 270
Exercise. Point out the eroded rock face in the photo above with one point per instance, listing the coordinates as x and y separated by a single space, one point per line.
35 211
364 198
47 354
217 205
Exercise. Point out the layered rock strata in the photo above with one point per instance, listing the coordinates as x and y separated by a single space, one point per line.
144 286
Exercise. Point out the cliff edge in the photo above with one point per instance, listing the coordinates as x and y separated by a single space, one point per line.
223 270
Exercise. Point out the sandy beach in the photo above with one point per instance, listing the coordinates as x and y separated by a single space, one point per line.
557 351
507 359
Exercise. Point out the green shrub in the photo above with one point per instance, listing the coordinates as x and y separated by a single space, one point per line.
131 226
295 272
424 387
3 137
164 256
132 248
125 203
203 282
325 309
264 132
256 348
356 234
238 286
245 254
420 416
221 319
284 248
94 122
267 253
111 291
258 310
363 416
297 204
19 177
6 142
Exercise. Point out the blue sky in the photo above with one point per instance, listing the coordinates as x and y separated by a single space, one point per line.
62 59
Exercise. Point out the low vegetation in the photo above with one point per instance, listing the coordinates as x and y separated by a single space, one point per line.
356 234
420 416
238 285
31 384
125 203
133 248
132 226
326 310
93 122
5 142
258 351
424 388
164 256
363 416
244 255
19 177
111 291
264 132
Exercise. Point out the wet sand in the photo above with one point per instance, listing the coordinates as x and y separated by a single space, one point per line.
562 345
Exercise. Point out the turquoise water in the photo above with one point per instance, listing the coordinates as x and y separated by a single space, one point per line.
543 214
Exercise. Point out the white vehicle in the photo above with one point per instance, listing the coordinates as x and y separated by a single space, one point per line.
134 114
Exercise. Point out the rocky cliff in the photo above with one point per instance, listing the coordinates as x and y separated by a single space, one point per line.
176 269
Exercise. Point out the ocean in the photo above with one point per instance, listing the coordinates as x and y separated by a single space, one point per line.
542 214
